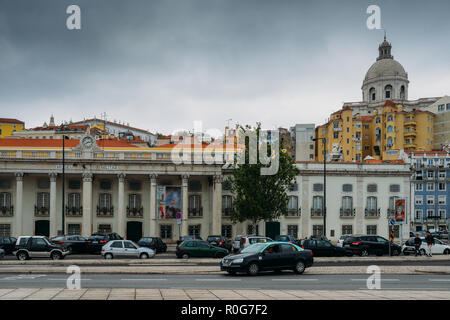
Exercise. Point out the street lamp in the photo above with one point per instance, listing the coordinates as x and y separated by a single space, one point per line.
324 205
64 137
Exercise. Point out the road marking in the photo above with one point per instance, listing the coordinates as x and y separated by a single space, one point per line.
64 279
218 280
24 277
443 280
143 279
295 279
380 279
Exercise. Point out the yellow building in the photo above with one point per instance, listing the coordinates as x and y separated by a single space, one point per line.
8 126
383 136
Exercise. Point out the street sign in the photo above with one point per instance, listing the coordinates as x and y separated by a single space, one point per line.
391 222
179 215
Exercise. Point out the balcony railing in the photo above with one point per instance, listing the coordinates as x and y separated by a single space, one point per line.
6 211
372 213
74 211
105 211
226 212
195 212
315 212
135 212
41 211
347 212
293 212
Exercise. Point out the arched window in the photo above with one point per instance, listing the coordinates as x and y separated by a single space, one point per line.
389 129
372 94
378 120
389 142
388 92
389 118
402 92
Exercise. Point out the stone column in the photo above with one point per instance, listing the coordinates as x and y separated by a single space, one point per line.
305 199
216 225
87 228
53 212
18 214
185 203
153 206
121 214
360 207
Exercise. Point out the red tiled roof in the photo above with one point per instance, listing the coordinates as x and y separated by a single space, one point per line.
389 103
55 143
9 120
366 118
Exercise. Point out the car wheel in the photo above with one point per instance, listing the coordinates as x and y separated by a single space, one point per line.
143 256
364 253
56 256
108 256
253 269
300 267
395 252
185 256
446 251
22 256
69 250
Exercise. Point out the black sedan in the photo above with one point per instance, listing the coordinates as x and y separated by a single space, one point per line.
154 243
8 244
323 248
271 256
72 243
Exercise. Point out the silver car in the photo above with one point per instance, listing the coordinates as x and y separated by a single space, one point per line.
125 249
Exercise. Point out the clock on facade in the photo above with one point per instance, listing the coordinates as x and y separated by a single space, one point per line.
88 142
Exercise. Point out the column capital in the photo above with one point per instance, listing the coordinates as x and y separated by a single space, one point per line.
218 178
153 176
19 176
53 176
87 176
121 177
184 178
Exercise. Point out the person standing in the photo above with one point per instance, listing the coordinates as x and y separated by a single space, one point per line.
429 239
417 244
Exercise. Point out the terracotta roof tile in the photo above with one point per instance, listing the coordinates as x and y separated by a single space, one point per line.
9 120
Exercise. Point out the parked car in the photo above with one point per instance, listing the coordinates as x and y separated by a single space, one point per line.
154 243
268 256
439 247
73 243
220 241
97 240
199 248
28 247
237 243
249 240
365 245
442 235
286 238
2 253
8 244
323 248
125 249
340 242
184 238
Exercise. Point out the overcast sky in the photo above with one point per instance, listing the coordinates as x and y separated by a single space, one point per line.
160 65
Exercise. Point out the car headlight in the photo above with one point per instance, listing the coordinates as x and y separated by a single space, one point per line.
238 260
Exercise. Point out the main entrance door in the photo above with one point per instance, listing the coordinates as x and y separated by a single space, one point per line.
134 230
272 229
42 228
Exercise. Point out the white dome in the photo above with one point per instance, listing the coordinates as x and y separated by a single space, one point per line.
385 68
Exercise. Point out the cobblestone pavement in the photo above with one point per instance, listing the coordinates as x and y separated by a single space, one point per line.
204 294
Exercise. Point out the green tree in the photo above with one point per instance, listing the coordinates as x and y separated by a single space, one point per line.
257 196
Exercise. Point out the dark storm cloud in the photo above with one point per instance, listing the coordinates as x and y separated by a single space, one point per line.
162 64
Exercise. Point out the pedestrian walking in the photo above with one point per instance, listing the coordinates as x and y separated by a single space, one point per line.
429 239
417 244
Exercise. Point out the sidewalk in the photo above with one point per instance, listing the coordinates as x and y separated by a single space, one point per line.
199 270
203 294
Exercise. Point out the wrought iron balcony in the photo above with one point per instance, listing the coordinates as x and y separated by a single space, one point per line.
74 211
6 211
41 211
294 212
316 212
347 212
195 212
226 212
372 213
135 212
105 211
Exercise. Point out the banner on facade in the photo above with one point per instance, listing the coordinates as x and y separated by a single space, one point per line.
169 201
400 209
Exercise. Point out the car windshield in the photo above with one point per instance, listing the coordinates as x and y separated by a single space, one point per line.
254 248
213 238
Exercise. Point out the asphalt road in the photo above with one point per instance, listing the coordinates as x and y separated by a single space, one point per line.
283 281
